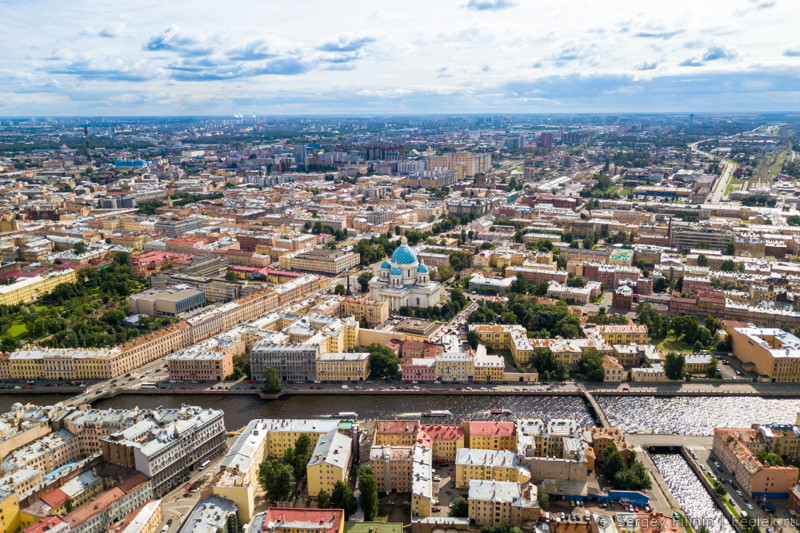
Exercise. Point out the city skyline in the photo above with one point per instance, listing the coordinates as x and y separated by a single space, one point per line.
466 56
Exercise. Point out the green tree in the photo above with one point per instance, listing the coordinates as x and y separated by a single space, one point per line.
323 500
272 382
383 362
730 249
80 248
339 290
675 365
544 500
277 479
576 281
702 260
69 505
473 339
611 462
368 492
591 365
460 507
728 265
711 370
230 276
772 459
364 279
302 453
342 498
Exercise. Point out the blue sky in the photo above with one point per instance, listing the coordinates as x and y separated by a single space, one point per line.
143 57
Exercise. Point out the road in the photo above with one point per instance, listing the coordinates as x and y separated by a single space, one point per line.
177 504
721 184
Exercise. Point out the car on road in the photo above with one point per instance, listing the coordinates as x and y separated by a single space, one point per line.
738 493
749 506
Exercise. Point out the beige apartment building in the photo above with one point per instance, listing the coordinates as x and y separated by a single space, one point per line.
772 352
502 502
321 260
28 289
736 450
343 366
201 365
373 311
392 466
623 333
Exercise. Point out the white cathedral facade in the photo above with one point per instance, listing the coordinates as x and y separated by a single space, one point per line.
403 280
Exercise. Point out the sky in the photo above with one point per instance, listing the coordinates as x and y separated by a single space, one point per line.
297 57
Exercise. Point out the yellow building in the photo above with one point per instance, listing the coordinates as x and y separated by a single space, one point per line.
130 241
771 352
9 511
623 333
330 462
64 364
28 289
444 440
513 338
490 435
454 367
320 260
237 476
488 368
785 442
343 366
417 329
395 432
373 311
489 465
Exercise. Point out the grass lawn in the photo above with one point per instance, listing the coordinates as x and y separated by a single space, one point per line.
685 523
671 344
775 168
17 330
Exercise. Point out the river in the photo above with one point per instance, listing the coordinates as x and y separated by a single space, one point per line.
643 414
239 410
695 415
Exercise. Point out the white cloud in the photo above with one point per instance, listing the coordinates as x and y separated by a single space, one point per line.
422 53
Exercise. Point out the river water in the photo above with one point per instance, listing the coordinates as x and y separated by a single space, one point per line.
239 410
642 414
694 415
696 503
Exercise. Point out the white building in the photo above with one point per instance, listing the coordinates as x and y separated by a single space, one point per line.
404 281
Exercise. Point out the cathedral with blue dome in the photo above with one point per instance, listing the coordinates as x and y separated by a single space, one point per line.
404 280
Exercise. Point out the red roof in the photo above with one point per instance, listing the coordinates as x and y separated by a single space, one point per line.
442 431
492 428
397 427
55 498
45 524
324 520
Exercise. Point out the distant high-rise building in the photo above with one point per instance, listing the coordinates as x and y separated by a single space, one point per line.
546 140
384 152
301 155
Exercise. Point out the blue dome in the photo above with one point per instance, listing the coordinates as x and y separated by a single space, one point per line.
386 265
404 255
422 269
396 271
